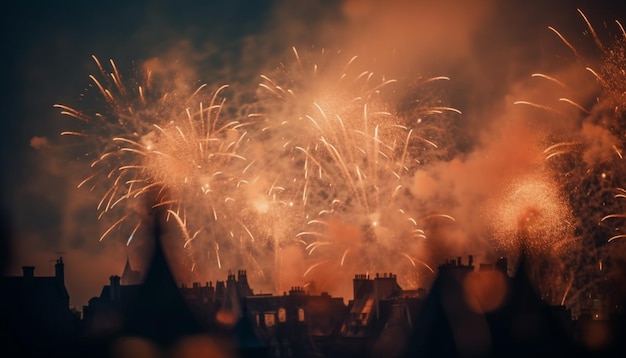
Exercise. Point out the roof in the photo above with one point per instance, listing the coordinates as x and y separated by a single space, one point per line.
126 292
35 287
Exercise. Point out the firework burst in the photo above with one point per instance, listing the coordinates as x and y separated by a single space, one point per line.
349 156
587 159
323 164
158 141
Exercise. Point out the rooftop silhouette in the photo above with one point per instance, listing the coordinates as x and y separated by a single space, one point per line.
467 312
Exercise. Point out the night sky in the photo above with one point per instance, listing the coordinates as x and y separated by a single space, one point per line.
488 49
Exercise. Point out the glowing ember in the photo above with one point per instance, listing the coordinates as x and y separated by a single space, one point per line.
531 214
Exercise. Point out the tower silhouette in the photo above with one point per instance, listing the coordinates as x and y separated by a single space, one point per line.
159 313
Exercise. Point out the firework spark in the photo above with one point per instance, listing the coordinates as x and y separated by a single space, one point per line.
322 165
151 139
352 156
587 162
532 215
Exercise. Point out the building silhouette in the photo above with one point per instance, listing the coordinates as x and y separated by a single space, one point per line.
296 324
487 313
469 311
35 315
377 318
102 316
130 276
151 314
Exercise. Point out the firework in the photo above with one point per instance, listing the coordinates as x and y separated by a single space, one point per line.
154 139
533 218
322 165
345 156
587 160
532 215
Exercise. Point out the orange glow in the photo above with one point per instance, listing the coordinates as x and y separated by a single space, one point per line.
128 347
485 291
348 234
596 334
531 214
226 318
202 346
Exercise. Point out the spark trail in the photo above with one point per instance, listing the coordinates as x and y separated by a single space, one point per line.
323 165
350 157
151 139
588 160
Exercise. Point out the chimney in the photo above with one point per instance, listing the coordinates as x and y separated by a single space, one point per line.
59 270
231 278
115 288
29 271
220 290
357 283
210 291
243 285
242 277
297 291
470 260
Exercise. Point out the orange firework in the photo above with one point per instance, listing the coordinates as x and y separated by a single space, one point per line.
155 139
323 163
587 158
350 156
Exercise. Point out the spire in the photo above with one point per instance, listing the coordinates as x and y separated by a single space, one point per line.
159 312
130 276
127 268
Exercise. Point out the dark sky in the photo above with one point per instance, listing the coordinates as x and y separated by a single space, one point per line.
486 48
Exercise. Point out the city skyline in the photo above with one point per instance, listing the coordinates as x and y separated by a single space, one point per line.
382 318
